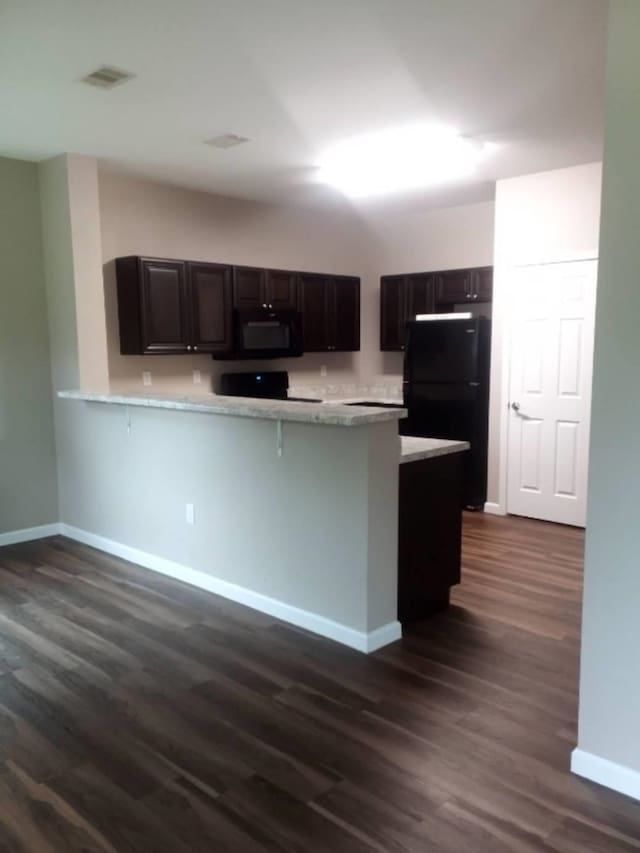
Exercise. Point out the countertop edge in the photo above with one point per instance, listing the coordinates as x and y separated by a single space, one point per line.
414 448
329 414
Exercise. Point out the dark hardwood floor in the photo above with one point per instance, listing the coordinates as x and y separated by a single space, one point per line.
139 714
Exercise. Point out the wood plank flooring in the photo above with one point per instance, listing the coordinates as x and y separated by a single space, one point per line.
139 715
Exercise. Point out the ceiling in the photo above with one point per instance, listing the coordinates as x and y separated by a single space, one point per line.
296 76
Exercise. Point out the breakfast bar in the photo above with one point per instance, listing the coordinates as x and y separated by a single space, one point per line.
287 507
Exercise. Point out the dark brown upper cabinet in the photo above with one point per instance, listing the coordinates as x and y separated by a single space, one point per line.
210 303
330 307
401 298
455 287
482 284
248 287
392 312
404 296
281 289
344 313
170 307
258 288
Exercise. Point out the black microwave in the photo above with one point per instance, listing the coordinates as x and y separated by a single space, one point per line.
265 333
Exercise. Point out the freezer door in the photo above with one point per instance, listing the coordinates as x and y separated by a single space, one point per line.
442 411
442 351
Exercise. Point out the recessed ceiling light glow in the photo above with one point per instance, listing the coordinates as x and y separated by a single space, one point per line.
403 158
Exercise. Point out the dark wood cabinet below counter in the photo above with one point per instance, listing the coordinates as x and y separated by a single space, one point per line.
429 534
168 307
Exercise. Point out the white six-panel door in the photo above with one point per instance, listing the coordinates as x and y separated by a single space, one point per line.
552 329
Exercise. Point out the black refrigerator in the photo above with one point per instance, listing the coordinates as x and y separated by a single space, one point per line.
446 391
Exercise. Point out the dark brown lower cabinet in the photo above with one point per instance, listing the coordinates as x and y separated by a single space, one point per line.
429 534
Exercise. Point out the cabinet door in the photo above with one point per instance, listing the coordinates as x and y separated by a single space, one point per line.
314 305
248 287
453 287
392 312
281 289
165 327
420 295
482 284
210 301
345 314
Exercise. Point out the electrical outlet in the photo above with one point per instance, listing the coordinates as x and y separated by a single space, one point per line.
189 514
146 377
197 377
323 370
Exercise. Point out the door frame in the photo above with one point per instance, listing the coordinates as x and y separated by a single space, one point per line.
501 347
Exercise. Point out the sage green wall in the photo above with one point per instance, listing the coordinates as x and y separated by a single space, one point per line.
610 678
28 487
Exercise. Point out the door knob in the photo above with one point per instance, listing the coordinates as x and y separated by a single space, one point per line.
515 407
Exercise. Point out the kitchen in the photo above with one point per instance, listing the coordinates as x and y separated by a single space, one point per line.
237 572
232 291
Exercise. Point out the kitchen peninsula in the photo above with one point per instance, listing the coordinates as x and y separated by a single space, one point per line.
287 507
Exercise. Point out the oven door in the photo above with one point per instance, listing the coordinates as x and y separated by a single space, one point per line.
268 334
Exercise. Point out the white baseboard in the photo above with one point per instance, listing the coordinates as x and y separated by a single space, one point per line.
381 637
604 772
494 509
29 534
359 640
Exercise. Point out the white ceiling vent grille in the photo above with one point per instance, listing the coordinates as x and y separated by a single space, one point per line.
227 140
107 77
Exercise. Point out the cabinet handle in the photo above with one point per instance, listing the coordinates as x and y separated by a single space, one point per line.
475 295
270 305
264 305
195 348
189 347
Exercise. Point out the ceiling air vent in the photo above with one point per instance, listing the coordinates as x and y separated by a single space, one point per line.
107 77
227 140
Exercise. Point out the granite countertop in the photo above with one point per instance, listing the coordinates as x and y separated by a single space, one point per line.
332 414
413 448
370 398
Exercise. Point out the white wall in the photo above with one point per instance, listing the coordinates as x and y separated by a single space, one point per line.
141 217
59 272
543 217
28 490
609 742
126 474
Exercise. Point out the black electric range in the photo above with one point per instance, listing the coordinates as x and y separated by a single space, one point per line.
265 384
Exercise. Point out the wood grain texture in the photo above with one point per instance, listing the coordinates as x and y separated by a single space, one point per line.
140 715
